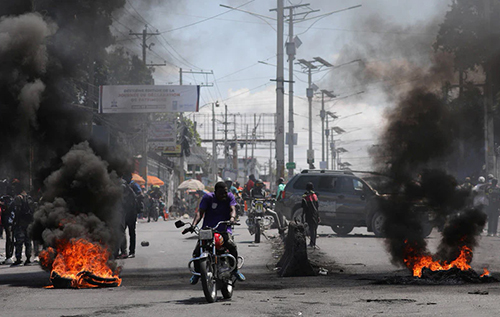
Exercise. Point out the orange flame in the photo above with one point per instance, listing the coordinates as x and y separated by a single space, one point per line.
76 256
485 273
417 263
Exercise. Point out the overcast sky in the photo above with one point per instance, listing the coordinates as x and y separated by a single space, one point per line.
202 35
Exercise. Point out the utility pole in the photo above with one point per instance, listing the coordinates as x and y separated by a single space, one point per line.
226 148
291 48
280 92
214 148
322 114
489 139
310 93
145 35
246 154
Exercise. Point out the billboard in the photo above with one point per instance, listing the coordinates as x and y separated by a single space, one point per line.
162 134
172 151
148 99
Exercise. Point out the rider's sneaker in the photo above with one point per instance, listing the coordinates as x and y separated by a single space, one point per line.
240 277
194 279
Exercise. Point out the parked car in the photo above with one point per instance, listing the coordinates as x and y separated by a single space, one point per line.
345 201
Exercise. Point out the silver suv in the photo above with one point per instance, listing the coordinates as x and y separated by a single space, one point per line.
345 201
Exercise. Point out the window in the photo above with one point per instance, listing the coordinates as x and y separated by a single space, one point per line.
303 180
346 185
327 183
358 185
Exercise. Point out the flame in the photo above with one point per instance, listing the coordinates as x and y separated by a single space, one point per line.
72 258
417 262
485 273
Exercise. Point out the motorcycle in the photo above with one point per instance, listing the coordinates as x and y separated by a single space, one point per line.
259 219
215 262
154 209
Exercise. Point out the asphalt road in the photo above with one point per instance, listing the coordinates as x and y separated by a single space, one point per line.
155 283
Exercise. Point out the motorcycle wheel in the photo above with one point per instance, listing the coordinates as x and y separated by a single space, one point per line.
156 214
227 289
257 231
208 280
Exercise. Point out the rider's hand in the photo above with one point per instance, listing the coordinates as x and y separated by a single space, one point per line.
190 229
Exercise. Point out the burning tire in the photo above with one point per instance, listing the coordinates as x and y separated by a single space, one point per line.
297 217
378 221
342 230
208 281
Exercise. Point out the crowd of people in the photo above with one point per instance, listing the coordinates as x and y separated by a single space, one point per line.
485 195
17 208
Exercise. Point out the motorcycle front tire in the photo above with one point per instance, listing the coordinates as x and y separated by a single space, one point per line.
208 280
226 289
257 231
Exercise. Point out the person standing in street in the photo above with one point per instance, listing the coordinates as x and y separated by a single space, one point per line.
7 220
310 206
132 208
493 194
22 208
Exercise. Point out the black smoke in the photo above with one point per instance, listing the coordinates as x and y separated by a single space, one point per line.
421 140
46 119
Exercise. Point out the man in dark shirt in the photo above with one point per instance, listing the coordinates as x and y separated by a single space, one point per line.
215 207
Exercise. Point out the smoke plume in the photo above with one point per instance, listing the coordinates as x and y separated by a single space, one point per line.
419 141
80 200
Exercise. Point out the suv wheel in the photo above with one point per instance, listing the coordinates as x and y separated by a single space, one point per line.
342 230
378 224
297 217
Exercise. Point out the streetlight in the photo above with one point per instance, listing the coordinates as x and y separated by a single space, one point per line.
317 63
322 114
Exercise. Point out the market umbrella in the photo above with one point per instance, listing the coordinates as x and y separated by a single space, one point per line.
192 184
153 180
138 179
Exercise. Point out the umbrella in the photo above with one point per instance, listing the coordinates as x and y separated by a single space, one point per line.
192 184
138 179
153 180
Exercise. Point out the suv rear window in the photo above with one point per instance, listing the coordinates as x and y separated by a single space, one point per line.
303 180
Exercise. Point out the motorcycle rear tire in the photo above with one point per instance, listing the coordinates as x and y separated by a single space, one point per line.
208 280
227 289
257 231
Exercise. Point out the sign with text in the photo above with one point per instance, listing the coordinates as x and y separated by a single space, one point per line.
148 99
172 151
162 134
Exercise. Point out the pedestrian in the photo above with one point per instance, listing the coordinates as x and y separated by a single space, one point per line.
132 208
310 212
22 208
493 194
479 195
281 188
249 185
7 220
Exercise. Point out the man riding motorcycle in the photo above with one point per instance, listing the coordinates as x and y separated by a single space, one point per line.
215 207
258 190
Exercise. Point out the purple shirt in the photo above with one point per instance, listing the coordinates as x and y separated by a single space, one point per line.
216 210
